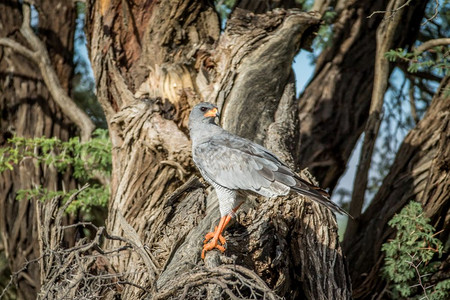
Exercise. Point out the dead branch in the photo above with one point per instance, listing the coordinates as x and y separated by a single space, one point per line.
16 274
236 281
390 13
84 270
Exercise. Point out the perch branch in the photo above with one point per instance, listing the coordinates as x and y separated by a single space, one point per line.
230 278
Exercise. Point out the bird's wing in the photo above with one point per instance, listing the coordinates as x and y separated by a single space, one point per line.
239 164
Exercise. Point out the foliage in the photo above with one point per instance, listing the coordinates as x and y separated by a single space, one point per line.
223 7
94 195
326 31
408 262
421 61
87 160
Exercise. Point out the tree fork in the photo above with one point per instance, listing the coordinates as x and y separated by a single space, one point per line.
232 72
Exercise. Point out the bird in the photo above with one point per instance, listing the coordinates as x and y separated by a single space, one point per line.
236 167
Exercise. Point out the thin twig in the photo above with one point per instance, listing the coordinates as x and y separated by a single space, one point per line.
436 11
391 12
16 273
419 277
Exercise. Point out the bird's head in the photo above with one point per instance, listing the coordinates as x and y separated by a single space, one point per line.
203 112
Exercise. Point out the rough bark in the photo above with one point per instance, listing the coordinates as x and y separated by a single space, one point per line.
153 60
420 172
262 6
334 107
28 110
384 42
170 60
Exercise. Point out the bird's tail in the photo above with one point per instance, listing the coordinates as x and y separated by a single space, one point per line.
318 195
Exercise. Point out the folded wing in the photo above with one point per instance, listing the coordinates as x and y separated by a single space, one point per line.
239 164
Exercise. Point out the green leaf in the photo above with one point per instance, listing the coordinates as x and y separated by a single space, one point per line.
411 251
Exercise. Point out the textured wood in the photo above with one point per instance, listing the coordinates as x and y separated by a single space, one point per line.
29 111
420 172
151 151
334 107
385 38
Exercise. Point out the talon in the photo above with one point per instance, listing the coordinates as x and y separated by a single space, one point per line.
212 239
213 244
209 235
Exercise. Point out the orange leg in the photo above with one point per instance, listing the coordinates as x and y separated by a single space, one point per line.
216 236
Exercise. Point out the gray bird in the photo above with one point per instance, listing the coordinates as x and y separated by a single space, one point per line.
234 166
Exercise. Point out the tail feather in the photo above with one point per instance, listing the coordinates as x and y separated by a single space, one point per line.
318 195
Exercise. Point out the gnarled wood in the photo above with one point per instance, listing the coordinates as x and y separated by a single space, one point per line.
334 107
420 172
28 110
151 149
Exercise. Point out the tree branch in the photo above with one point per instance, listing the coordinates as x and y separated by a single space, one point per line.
40 56
436 11
432 43
7 42
419 74
390 13
385 36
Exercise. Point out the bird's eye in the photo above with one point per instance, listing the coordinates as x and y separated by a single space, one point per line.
203 109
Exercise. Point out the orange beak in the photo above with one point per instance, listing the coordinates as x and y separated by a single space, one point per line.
211 113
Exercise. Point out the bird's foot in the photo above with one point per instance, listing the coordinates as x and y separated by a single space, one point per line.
211 245
212 242
210 235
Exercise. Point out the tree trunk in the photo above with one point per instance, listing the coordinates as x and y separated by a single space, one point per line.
420 172
334 107
153 61
29 111
171 56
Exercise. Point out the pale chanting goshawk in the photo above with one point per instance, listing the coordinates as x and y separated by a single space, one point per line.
234 165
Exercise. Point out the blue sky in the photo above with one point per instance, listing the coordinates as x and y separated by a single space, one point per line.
303 71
